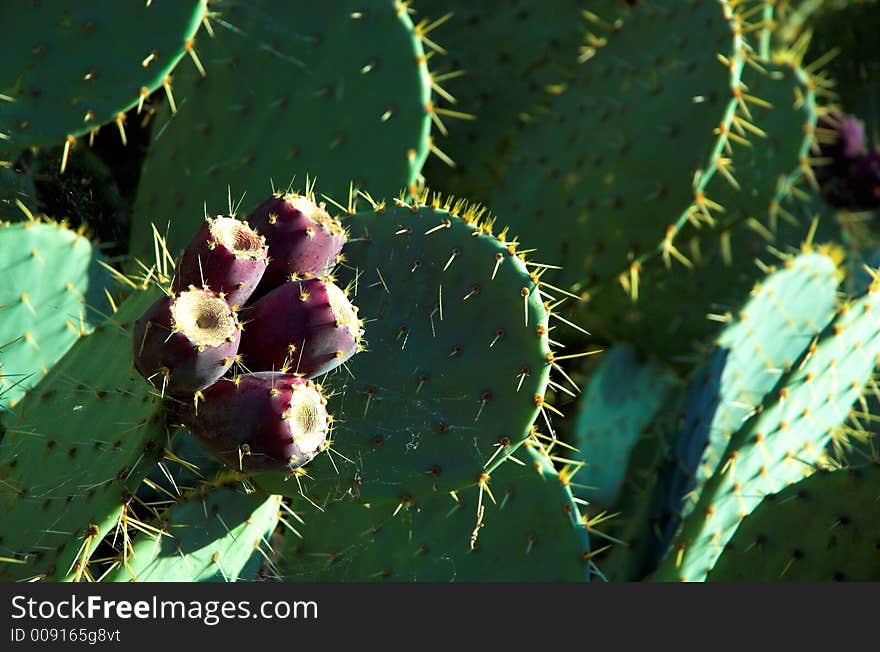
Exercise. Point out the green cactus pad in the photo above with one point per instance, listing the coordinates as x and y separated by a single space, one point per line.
208 537
333 92
533 44
765 338
73 452
823 528
622 397
52 294
634 527
69 68
531 532
579 188
783 440
456 363
669 315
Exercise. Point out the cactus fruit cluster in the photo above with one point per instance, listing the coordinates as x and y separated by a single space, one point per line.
647 354
267 415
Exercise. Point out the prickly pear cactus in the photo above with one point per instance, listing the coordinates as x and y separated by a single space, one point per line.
783 438
681 450
622 397
527 528
583 164
535 47
337 92
826 527
209 536
456 363
73 452
665 308
52 294
762 340
68 69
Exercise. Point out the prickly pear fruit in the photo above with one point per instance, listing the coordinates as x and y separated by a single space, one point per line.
849 136
303 239
260 422
185 342
306 327
226 256
849 177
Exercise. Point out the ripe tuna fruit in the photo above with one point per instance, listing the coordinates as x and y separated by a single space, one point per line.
304 327
226 256
261 422
303 239
185 342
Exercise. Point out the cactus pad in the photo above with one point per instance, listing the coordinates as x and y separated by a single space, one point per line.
534 44
622 397
52 294
750 183
208 537
784 439
765 338
531 532
578 185
74 450
826 527
456 362
332 91
68 69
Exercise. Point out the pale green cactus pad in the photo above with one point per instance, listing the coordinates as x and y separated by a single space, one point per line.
210 536
783 440
73 452
622 397
52 294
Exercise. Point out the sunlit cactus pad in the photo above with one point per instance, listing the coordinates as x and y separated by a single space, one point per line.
52 294
73 452
782 441
206 537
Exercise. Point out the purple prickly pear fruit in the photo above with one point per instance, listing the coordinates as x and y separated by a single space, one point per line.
305 327
304 241
848 139
849 177
226 256
261 422
841 138
186 342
